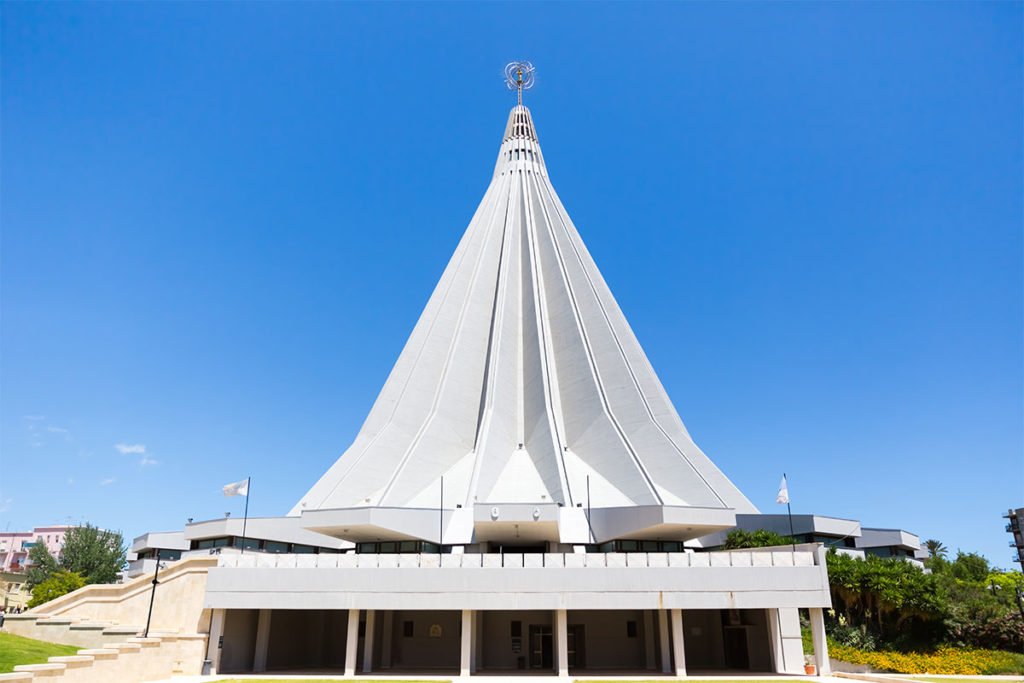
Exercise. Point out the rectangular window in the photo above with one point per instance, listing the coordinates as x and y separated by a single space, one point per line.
516 630
407 629
249 543
275 547
407 547
389 547
303 549
631 629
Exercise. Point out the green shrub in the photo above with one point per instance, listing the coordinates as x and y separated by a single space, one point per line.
60 583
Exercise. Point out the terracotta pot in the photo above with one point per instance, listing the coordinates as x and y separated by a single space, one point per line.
810 669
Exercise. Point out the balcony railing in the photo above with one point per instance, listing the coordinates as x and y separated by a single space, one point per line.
774 558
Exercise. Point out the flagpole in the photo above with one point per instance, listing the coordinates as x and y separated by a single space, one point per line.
590 527
245 520
789 510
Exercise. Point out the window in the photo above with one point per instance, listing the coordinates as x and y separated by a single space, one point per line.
248 543
516 629
275 547
303 549
631 629
407 629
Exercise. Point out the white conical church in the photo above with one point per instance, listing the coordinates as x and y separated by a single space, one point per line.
522 498
523 383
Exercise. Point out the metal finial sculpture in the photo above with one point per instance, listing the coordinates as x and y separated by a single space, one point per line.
519 77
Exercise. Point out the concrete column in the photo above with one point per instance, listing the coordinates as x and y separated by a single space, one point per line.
649 640
259 662
666 653
388 634
561 642
213 646
351 642
787 646
678 651
478 641
368 643
468 644
820 642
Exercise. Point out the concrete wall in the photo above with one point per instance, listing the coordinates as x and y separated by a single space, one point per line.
606 643
704 634
422 650
239 641
302 639
743 580
495 634
178 606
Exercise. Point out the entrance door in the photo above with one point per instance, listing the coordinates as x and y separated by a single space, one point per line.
541 647
576 643
736 654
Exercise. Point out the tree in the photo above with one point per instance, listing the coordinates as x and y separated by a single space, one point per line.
762 538
94 554
969 567
41 563
61 583
936 548
886 595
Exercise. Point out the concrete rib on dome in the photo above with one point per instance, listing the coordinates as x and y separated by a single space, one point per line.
521 379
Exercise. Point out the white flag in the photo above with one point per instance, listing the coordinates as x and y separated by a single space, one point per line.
783 497
239 488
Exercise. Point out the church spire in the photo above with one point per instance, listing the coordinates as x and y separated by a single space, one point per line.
519 77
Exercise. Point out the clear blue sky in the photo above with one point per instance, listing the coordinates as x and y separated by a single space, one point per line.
221 221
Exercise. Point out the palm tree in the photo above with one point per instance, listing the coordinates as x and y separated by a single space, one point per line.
936 548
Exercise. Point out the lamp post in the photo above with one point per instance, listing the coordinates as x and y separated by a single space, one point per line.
152 594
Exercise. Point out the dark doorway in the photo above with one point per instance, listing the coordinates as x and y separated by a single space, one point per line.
577 645
541 647
736 652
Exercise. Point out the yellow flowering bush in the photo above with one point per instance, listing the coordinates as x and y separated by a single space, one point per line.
945 660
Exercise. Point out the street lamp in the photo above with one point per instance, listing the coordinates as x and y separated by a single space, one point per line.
152 594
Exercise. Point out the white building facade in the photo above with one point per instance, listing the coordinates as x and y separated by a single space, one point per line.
523 496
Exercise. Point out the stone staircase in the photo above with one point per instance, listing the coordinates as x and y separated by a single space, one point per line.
103 620
134 660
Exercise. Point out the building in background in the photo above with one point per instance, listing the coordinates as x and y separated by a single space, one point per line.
15 545
891 543
14 592
1015 527
845 536
217 536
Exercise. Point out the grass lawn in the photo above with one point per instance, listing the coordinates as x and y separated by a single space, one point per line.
979 679
319 680
15 650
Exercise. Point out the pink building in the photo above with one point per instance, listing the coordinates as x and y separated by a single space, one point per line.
14 545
